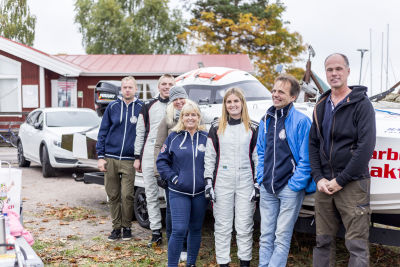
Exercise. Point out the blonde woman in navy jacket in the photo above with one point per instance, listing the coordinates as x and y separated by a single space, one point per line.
181 164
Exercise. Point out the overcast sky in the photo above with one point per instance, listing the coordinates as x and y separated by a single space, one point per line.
329 26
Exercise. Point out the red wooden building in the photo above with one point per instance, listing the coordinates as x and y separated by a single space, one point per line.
30 78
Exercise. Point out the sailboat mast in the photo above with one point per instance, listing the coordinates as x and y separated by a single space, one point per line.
387 59
382 63
370 59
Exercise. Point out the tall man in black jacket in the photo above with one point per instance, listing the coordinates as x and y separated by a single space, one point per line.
342 140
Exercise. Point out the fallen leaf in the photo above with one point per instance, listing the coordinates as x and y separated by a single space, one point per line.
158 251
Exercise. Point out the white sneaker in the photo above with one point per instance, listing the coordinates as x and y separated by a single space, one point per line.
183 256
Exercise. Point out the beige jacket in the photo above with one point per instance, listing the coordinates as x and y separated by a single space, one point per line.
164 129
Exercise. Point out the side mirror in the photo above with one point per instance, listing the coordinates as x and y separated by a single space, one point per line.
37 125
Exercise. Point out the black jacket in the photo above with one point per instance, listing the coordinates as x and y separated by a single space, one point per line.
352 143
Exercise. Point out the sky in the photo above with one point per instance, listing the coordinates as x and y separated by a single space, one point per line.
329 26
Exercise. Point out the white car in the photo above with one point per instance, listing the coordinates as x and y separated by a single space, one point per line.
39 137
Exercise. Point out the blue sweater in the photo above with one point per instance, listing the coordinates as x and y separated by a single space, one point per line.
297 127
117 133
181 162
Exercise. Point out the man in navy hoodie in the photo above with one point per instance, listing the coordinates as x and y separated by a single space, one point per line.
115 150
283 171
342 140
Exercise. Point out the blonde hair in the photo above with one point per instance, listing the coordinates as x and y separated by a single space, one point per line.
189 107
170 111
128 78
245 118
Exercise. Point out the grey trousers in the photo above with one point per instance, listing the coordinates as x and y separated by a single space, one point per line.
351 205
119 183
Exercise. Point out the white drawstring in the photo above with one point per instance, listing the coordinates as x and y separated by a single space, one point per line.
122 109
197 144
265 124
183 141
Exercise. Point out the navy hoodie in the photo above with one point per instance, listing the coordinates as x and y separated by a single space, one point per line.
116 138
181 162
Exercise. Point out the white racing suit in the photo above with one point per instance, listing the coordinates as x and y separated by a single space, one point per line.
146 133
230 159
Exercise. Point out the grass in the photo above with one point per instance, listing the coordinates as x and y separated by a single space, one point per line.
73 251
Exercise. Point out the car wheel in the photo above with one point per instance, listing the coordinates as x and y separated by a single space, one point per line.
140 208
47 169
22 162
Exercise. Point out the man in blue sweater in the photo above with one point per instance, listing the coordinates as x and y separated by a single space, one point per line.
283 170
115 151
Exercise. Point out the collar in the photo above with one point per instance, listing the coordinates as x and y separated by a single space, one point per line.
283 112
329 100
232 121
162 100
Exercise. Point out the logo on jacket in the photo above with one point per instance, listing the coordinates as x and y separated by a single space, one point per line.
282 134
201 148
163 148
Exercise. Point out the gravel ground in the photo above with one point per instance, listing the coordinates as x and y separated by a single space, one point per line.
46 199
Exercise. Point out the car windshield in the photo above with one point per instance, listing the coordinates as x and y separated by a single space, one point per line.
72 119
253 90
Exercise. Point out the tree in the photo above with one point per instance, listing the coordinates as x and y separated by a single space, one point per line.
16 22
249 27
129 27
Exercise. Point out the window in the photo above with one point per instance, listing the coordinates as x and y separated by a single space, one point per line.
146 89
32 117
72 119
10 85
63 92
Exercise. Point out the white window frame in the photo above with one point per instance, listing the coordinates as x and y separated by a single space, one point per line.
17 76
150 83
54 93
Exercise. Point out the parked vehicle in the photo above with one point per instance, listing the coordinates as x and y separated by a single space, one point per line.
207 86
39 137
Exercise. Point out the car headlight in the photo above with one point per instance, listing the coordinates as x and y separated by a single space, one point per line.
57 143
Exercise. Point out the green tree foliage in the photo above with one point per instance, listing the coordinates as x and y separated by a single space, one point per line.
16 22
253 27
129 26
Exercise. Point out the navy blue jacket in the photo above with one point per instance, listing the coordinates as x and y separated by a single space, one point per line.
297 126
117 133
181 162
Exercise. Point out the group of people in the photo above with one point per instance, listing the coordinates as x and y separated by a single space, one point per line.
239 162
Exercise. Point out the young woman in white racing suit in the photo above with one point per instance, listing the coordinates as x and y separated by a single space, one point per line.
230 162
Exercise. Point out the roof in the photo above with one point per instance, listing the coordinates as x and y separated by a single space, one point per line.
152 65
38 57
122 65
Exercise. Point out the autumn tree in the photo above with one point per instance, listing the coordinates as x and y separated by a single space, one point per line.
129 26
254 27
16 22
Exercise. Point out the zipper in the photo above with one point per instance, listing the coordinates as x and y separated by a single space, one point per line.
194 167
330 152
273 166
126 121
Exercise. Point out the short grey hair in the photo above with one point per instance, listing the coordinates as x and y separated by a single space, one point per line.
346 60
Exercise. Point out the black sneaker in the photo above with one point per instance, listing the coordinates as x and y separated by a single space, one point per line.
126 234
115 235
156 239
